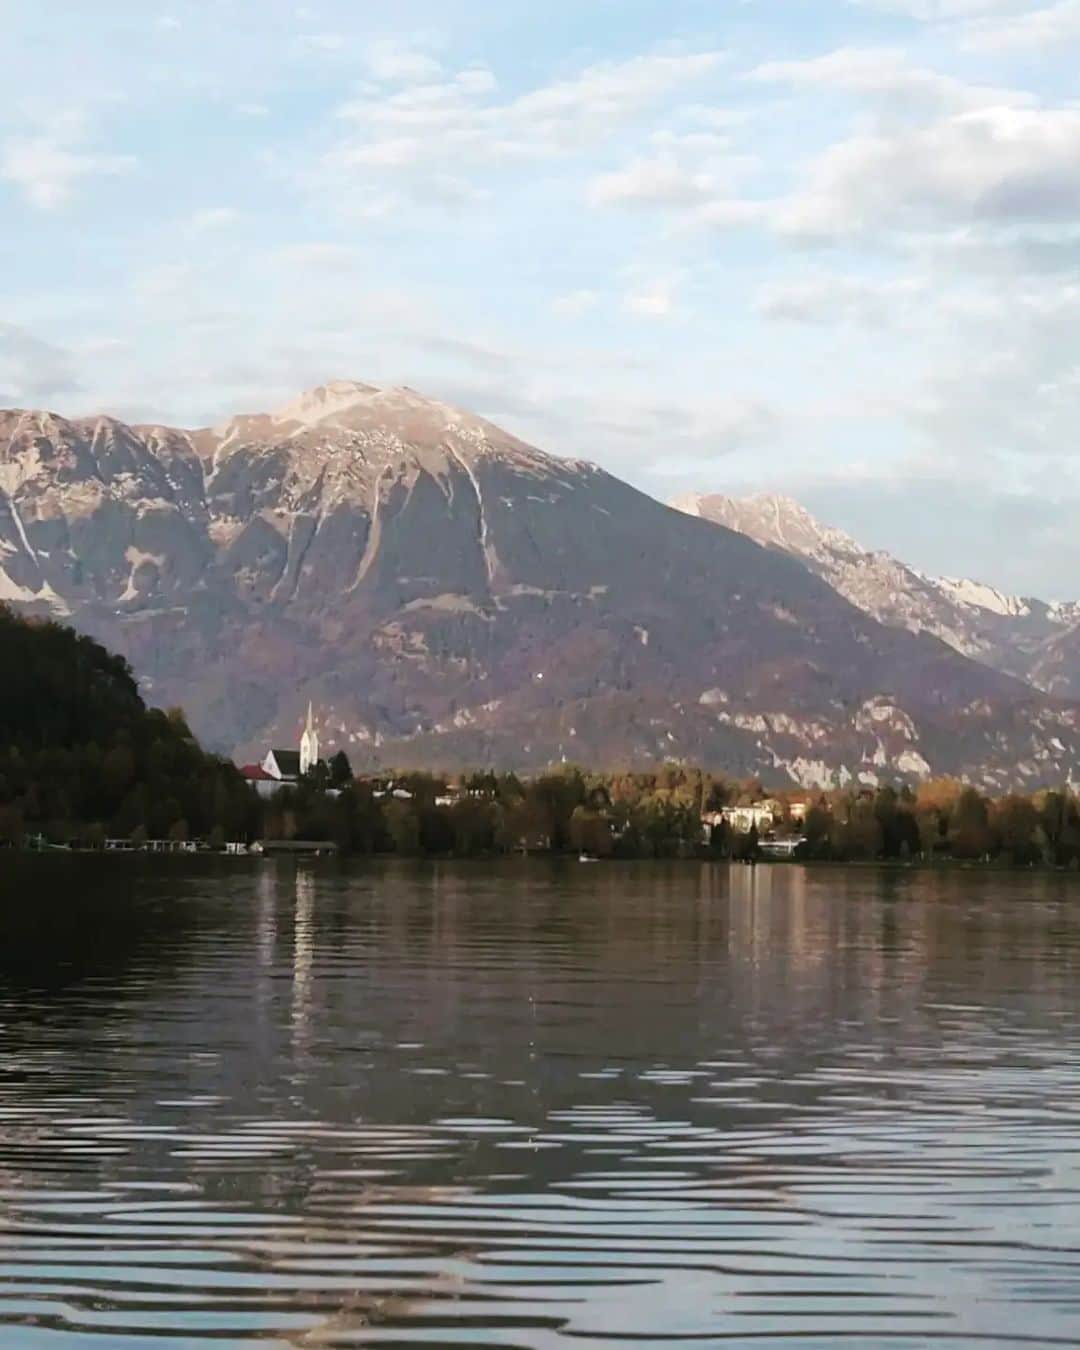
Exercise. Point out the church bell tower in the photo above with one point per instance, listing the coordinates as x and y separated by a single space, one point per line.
309 744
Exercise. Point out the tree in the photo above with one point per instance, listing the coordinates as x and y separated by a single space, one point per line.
969 832
818 829
341 774
1016 823
747 845
590 833
859 837
403 826
720 839
473 822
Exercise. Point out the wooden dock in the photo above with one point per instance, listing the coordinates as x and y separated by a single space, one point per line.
310 848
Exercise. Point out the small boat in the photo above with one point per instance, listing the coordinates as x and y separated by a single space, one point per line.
588 857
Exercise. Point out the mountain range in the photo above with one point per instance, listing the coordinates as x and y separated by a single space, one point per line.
447 595
1036 640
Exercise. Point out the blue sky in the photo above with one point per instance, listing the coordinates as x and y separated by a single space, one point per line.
826 247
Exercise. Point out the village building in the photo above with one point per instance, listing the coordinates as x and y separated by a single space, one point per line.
763 816
760 816
285 768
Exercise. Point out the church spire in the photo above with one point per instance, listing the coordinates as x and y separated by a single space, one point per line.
309 743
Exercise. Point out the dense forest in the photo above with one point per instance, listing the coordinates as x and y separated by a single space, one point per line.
82 760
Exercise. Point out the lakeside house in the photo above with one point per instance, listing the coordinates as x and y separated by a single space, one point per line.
760 816
765 816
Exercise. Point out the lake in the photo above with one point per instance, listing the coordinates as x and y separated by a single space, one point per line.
536 1105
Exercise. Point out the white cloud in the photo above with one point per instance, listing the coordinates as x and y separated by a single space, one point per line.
455 122
710 431
885 74
32 370
319 256
997 165
657 181
47 167
938 11
652 299
1040 29
826 298
396 62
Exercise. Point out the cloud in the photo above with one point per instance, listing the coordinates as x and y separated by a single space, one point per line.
1041 29
32 370
713 429
886 75
938 11
825 299
995 166
456 122
318 256
47 166
392 61
652 299
657 181
902 512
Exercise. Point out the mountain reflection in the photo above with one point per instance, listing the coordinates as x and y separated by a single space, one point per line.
518 1104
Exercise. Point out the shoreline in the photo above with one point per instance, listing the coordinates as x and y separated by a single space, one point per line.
326 856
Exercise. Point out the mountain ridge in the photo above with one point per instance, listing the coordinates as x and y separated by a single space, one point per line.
1015 634
450 595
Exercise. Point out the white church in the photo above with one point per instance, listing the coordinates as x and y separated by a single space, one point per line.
285 768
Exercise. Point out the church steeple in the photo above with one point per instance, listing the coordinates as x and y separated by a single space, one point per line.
309 743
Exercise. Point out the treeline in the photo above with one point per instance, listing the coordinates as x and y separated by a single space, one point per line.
945 820
658 814
629 815
82 758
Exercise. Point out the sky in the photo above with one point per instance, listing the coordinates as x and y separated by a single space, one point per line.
829 248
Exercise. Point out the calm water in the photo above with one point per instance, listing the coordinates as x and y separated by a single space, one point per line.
526 1106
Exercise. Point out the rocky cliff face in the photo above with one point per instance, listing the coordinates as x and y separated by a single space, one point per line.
448 595
1030 638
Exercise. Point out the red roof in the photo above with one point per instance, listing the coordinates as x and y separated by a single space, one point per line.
255 773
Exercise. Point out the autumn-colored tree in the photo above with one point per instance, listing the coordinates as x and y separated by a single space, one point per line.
970 835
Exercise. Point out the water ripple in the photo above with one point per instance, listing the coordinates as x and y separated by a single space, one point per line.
524 1108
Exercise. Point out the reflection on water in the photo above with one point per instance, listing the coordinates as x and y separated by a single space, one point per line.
527 1106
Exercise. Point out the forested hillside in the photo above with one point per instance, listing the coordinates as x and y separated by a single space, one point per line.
81 756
